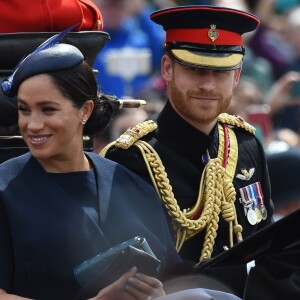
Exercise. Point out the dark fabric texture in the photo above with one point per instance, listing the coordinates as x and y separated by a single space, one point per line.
275 276
45 233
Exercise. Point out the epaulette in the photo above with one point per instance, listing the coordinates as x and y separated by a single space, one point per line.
237 121
132 134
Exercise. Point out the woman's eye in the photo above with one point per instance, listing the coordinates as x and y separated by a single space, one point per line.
23 109
49 109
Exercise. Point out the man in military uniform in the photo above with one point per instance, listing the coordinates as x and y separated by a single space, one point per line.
208 167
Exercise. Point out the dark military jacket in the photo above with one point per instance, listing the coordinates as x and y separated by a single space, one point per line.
181 148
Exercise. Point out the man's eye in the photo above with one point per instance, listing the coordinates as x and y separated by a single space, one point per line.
221 71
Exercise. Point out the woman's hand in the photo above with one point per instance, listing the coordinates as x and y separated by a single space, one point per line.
132 286
142 286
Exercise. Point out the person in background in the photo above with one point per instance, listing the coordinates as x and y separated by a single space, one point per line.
271 33
284 101
246 94
130 35
60 205
208 167
283 168
292 30
140 11
248 103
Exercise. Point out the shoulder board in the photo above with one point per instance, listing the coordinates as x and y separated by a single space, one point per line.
237 121
132 134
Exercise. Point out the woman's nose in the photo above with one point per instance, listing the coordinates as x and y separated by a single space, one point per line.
35 123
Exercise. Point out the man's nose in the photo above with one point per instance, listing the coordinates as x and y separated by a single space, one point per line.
206 81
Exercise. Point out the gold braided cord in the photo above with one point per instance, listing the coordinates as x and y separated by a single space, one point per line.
228 207
162 185
216 191
210 196
213 194
131 135
236 121
106 148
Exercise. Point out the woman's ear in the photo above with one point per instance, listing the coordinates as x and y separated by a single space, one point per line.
166 68
87 109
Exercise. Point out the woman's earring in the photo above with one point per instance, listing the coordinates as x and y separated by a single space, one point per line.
83 121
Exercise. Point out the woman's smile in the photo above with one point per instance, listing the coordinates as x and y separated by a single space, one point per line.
39 140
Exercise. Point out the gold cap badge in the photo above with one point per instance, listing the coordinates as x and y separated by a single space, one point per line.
213 33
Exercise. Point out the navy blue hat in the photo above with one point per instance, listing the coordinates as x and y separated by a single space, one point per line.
203 36
49 56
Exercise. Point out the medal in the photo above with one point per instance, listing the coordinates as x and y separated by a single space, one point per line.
258 215
251 216
264 212
262 208
252 200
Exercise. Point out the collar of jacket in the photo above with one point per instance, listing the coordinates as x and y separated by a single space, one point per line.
175 130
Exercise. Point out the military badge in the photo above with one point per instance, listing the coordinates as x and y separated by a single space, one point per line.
253 203
213 33
245 175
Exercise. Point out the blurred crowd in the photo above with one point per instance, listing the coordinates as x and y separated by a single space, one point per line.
268 94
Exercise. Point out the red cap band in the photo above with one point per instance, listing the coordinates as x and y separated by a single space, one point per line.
200 36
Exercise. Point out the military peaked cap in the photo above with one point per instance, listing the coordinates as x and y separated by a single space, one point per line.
208 37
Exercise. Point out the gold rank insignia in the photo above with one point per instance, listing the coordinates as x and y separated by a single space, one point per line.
237 121
245 175
213 33
133 134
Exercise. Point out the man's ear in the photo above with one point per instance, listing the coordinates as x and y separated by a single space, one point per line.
166 68
237 75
